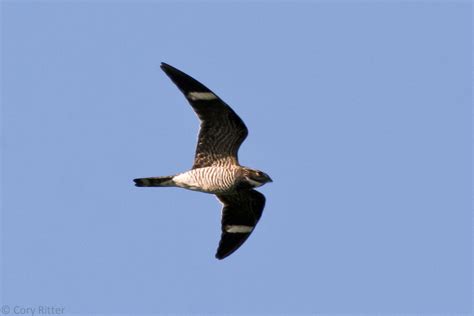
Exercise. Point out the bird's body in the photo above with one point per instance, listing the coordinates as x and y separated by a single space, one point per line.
216 169
215 180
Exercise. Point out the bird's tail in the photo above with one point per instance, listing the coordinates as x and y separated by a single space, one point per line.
155 182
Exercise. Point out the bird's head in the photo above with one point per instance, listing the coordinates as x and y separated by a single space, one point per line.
256 178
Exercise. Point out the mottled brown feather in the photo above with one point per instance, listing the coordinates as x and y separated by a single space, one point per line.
222 131
245 207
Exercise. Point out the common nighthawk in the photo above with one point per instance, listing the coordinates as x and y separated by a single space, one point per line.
216 169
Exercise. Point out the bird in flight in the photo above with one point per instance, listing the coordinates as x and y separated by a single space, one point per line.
216 169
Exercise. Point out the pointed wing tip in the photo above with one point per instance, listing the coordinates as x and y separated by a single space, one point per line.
171 71
220 255
166 67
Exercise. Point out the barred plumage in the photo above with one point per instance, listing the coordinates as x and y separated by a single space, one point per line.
216 168
208 179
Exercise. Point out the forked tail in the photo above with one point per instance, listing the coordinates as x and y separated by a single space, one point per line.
154 182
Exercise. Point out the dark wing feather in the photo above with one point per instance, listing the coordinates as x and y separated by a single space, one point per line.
240 215
222 131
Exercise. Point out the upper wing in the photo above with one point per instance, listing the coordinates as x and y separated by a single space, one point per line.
222 131
240 215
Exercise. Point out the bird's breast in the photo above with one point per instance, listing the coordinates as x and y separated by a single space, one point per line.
208 179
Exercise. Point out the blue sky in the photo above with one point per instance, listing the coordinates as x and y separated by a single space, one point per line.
359 111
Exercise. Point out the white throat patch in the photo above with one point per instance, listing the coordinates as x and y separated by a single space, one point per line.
254 183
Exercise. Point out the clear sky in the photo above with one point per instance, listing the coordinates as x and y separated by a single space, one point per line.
359 111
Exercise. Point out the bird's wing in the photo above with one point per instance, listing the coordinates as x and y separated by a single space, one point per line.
222 130
240 214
